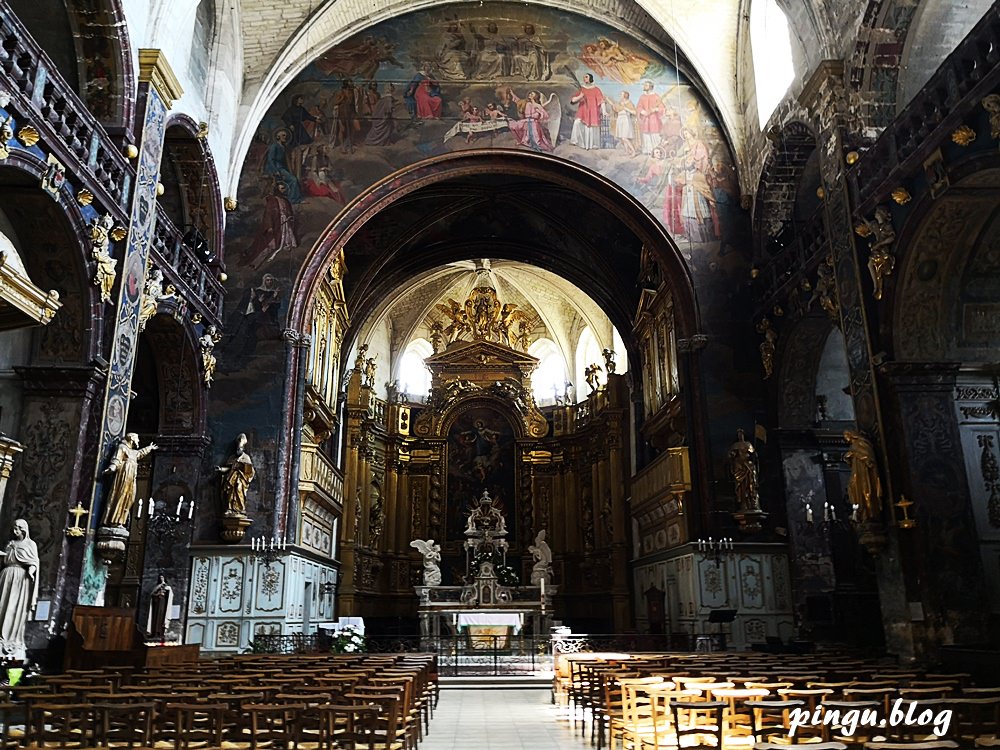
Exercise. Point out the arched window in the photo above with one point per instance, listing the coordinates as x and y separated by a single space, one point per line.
549 379
588 352
771 47
621 355
414 377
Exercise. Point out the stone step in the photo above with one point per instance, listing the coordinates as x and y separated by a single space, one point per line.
499 682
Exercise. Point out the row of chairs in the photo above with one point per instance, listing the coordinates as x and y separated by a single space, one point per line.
253 701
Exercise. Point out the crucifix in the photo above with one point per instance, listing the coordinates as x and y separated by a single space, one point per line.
76 529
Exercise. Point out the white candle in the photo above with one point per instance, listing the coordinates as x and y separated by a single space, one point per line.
139 512
179 503
809 513
826 511
151 507
542 584
191 510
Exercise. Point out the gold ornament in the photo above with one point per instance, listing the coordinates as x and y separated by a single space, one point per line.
223 277
202 133
852 157
131 151
901 195
160 190
964 135
230 204
85 197
28 136
820 193
196 318
862 229
754 273
119 233
76 530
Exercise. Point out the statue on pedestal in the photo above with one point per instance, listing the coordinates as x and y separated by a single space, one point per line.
432 560
18 591
864 488
486 517
542 553
161 601
743 465
125 466
239 473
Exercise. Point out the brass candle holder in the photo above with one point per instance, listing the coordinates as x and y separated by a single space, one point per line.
904 505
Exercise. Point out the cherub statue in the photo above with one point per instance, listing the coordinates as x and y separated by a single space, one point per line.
609 361
359 361
881 262
591 374
432 560
370 367
459 320
208 340
151 294
100 240
437 337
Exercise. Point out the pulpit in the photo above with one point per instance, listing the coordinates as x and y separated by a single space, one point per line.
109 636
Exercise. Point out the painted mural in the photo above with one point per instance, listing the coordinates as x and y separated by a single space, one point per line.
494 76
480 457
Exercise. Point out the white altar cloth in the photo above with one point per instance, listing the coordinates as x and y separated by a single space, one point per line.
511 619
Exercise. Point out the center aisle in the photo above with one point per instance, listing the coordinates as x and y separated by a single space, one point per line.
499 720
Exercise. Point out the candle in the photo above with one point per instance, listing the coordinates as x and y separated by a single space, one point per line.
833 513
139 512
191 510
151 508
809 513
542 584
179 503
272 542
826 511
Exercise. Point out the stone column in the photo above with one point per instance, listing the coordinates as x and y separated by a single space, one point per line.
825 98
689 352
9 450
158 89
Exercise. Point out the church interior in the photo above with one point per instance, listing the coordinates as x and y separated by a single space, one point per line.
359 356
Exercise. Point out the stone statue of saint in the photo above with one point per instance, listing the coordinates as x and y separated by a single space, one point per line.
542 554
100 240
743 465
18 591
124 465
238 475
432 560
161 601
864 488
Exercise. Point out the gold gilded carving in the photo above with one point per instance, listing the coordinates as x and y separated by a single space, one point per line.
963 135
864 488
826 290
484 318
767 346
84 197
28 136
991 104
901 195
100 241
76 530
881 262
208 340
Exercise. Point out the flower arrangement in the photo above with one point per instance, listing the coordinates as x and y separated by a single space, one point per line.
348 640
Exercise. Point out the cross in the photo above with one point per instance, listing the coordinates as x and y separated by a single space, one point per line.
76 529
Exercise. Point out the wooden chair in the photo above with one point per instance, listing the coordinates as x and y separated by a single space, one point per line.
195 724
698 720
348 726
128 724
61 724
770 718
276 725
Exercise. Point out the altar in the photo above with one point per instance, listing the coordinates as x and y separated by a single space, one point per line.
485 614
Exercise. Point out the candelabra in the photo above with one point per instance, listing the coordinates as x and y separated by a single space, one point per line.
163 524
268 551
716 546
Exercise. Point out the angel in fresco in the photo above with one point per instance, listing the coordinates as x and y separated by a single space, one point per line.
535 129
609 60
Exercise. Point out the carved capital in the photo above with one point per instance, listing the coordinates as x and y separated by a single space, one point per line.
693 344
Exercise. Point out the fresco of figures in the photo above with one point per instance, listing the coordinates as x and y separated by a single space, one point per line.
495 75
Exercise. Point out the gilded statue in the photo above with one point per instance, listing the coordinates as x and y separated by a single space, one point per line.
100 241
371 366
826 290
609 361
208 340
238 475
744 467
881 262
864 488
991 103
459 321
359 361
768 346
592 376
151 294
125 466
437 337
484 318
376 520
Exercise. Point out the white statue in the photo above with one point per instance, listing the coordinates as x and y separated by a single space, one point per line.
18 591
432 558
540 550
486 517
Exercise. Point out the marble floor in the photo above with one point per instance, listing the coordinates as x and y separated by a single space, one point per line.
500 720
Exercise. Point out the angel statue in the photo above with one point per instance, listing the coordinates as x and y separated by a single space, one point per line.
208 340
459 321
881 262
432 559
542 553
592 377
609 361
151 294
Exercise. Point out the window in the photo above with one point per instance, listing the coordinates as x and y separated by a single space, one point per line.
414 377
621 354
771 47
549 379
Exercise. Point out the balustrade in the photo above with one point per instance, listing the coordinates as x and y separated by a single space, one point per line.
40 97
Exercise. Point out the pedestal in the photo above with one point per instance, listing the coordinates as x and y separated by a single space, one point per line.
871 536
234 527
750 521
111 543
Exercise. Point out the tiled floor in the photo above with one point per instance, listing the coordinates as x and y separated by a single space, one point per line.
499 720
